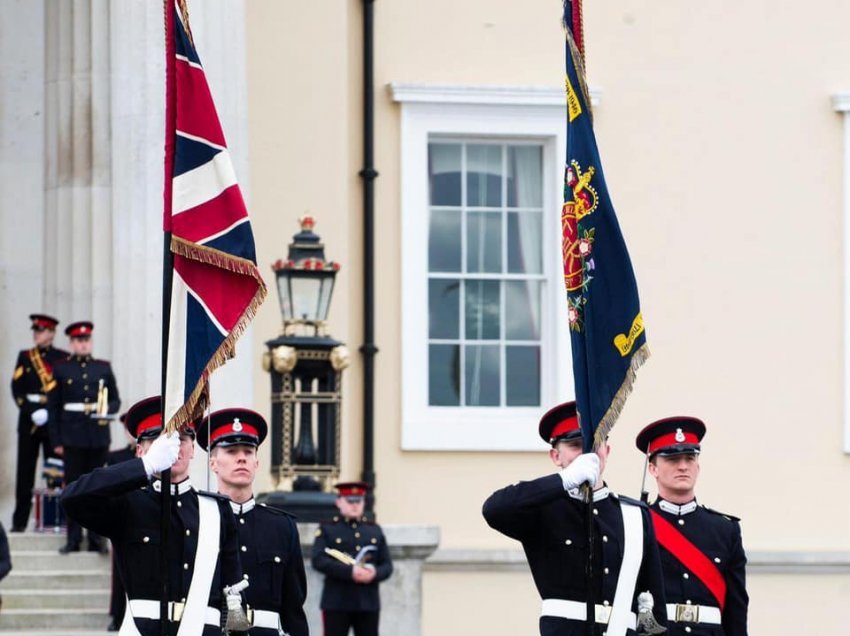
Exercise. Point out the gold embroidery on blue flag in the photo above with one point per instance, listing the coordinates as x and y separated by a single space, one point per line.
584 195
573 102
625 343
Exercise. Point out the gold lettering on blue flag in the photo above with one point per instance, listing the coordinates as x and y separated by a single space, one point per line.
573 102
623 342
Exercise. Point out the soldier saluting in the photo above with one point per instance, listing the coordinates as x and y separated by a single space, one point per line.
701 550
548 516
31 382
85 395
123 502
270 548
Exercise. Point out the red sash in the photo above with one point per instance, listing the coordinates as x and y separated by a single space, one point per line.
690 556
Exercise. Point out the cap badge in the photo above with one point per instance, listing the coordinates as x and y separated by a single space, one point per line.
680 436
237 425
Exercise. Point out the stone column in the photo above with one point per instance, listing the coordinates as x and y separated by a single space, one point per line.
401 594
78 221
21 207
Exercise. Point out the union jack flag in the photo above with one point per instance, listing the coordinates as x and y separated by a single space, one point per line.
216 284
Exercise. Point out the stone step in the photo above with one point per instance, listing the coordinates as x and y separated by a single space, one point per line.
30 620
97 599
41 560
57 579
35 541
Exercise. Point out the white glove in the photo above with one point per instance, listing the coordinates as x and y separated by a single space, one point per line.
162 453
584 468
39 417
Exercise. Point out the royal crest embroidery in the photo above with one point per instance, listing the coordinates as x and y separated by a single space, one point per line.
580 200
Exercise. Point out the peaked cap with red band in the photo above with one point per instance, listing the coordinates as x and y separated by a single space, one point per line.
232 427
43 321
144 419
671 436
560 423
352 488
80 329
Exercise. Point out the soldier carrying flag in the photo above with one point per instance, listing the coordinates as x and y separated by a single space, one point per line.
122 502
592 554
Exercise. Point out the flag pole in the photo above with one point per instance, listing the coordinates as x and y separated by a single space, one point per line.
573 21
167 279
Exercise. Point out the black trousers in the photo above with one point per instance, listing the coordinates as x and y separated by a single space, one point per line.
78 462
28 447
338 623
118 597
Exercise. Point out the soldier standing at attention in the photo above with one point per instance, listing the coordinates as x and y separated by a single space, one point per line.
123 502
270 548
548 516
31 382
85 395
701 550
352 553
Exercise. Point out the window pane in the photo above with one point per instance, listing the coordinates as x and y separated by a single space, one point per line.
525 177
444 242
482 309
444 375
484 242
444 173
522 376
522 310
444 309
483 176
525 243
482 375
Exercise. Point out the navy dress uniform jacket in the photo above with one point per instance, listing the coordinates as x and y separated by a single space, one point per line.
27 387
551 525
341 593
270 552
77 382
119 502
718 537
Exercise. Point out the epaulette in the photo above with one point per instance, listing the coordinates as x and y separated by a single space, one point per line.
106 362
722 514
633 502
278 511
214 495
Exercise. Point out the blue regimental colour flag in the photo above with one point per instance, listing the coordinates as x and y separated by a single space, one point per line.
216 286
606 326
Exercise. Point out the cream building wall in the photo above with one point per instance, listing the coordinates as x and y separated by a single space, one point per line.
724 158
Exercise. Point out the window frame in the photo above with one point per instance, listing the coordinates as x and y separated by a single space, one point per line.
492 114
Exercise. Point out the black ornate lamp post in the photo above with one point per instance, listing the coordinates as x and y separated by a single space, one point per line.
306 366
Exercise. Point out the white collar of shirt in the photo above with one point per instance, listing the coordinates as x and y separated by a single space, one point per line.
598 495
176 489
239 509
676 509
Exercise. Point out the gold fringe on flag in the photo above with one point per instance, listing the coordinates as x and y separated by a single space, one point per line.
607 422
198 400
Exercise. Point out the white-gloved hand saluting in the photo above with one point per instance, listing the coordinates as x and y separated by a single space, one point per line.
584 468
162 453
39 417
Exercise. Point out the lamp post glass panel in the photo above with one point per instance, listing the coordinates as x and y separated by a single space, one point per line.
306 366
